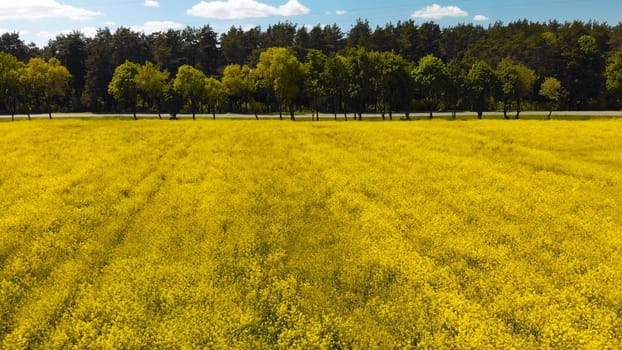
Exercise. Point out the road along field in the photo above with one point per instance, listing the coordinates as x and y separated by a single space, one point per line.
237 234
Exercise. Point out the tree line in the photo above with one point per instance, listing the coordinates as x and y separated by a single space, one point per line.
395 68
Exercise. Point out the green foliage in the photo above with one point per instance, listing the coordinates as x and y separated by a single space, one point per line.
551 89
516 81
315 85
395 85
190 84
361 75
123 85
150 80
11 87
614 75
482 84
335 76
573 52
240 83
432 80
46 80
279 69
215 93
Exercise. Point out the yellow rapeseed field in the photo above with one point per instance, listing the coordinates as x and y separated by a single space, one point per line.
280 235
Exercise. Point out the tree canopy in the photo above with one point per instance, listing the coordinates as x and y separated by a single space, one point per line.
396 67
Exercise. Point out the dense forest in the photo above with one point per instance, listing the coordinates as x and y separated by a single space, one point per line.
400 67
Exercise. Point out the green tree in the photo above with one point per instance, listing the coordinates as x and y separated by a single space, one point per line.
361 77
12 44
481 85
335 78
456 82
123 85
585 65
240 84
71 49
359 35
150 80
47 80
516 83
172 101
614 75
432 80
215 94
190 83
99 72
11 87
551 89
168 50
314 82
279 69
394 83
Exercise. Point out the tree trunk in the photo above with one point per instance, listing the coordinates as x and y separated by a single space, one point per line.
550 112
480 114
50 115
390 114
518 109
431 114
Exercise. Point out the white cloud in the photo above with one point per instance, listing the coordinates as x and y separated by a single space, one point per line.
42 38
242 9
157 26
89 32
39 9
341 12
437 11
481 18
152 3
110 23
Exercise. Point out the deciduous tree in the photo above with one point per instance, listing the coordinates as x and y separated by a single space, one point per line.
314 84
432 80
335 76
240 84
47 80
190 83
11 88
280 69
150 80
481 85
215 94
551 89
123 85
516 83
614 75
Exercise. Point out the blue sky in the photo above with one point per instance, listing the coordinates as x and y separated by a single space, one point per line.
40 20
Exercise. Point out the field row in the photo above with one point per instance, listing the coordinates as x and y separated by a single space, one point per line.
281 235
